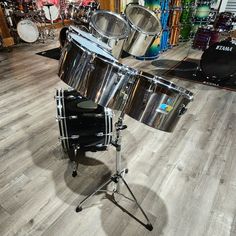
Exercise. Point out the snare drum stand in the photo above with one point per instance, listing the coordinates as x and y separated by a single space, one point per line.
118 176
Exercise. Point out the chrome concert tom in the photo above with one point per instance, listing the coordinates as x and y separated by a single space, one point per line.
110 28
95 73
157 103
83 32
82 123
145 27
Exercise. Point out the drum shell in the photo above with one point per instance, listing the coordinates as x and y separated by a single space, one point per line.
138 43
148 96
105 82
116 45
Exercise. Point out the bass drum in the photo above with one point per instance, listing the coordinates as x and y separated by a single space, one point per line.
27 31
218 61
82 123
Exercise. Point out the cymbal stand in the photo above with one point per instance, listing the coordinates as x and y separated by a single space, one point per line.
51 29
118 176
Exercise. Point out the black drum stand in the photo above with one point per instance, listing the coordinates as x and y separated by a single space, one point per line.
118 176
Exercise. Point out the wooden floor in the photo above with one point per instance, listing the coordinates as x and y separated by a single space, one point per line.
185 180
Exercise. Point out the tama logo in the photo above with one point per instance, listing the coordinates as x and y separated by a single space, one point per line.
224 48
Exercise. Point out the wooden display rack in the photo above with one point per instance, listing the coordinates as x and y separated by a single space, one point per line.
4 31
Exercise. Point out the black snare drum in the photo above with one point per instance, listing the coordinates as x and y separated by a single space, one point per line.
82 123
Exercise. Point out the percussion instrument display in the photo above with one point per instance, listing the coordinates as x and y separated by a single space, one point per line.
145 27
110 28
27 31
218 61
174 35
185 31
82 123
202 13
95 73
224 21
161 8
165 39
204 37
157 103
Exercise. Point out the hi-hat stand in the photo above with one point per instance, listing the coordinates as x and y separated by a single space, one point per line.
118 176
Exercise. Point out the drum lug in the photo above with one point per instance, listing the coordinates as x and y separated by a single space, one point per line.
182 110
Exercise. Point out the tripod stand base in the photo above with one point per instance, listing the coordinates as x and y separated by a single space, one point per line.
116 178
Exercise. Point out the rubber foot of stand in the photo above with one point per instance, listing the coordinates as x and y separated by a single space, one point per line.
74 174
149 227
126 171
78 209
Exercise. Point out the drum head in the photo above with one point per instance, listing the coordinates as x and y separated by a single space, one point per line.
143 19
27 31
110 24
89 37
91 46
218 61
53 10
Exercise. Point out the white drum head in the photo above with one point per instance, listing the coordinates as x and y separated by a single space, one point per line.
53 10
27 31
90 37
92 47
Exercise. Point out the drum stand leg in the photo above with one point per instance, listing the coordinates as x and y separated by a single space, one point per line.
75 162
117 177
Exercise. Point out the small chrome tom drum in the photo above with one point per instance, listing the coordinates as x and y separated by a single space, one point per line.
157 103
95 73
82 123
145 27
110 28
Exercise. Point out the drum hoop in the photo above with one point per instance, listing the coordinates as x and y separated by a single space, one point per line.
114 62
138 28
94 26
168 84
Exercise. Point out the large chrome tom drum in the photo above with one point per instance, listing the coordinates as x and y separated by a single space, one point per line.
83 32
110 28
95 73
157 103
145 27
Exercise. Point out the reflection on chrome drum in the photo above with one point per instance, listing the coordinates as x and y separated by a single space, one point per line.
145 27
95 73
157 103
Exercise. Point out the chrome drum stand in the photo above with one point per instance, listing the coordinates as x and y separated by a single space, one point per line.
118 176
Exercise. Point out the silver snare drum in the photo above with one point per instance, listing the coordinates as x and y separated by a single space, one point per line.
145 27
95 73
110 28
157 103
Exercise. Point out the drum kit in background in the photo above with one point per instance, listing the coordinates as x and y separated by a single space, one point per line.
103 90
31 22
